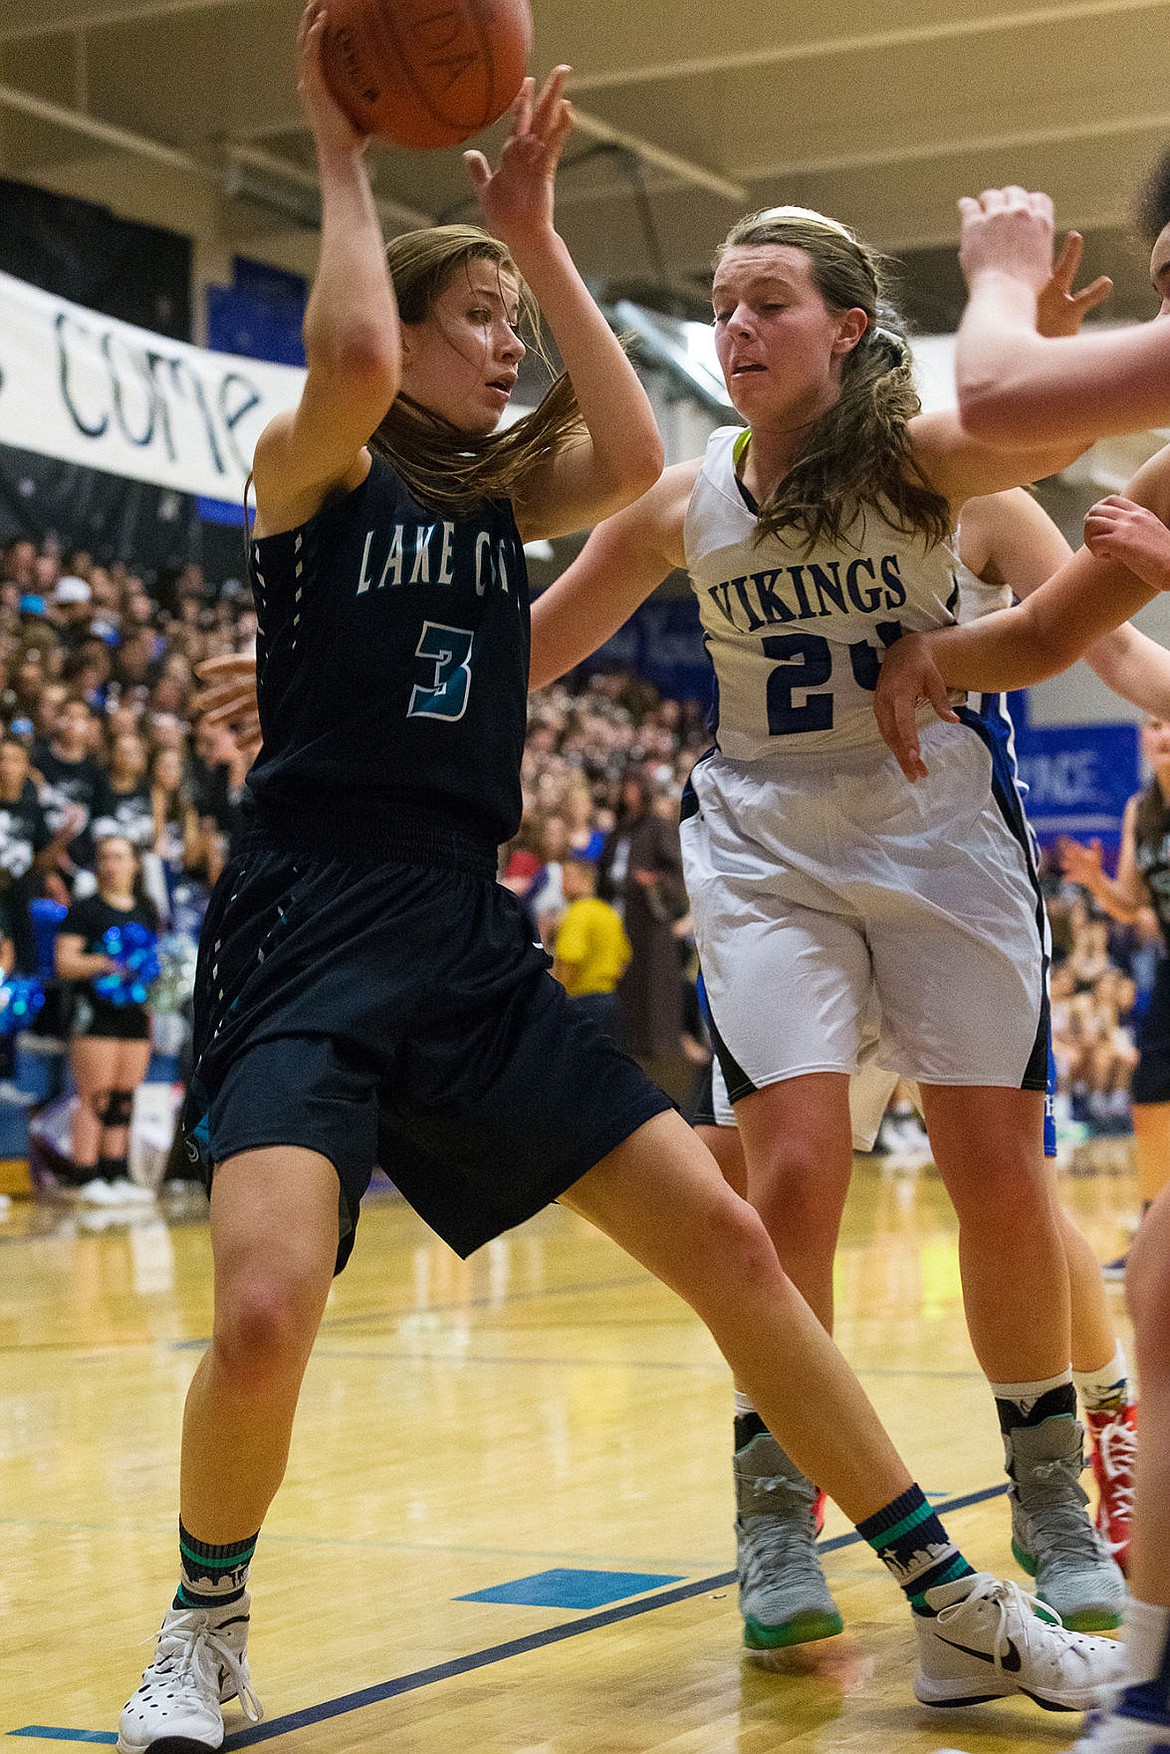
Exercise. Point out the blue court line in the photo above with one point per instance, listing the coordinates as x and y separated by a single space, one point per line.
482 1659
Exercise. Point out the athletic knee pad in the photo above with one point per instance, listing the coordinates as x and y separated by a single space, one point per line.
119 1108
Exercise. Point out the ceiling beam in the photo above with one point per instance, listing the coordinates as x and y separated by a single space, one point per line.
928 150
51 17
122 139
686 169
393 213
864 42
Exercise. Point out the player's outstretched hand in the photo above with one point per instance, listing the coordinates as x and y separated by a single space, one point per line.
1132 536
229 696
1060 310
908 676
332 129
1007 231
517 197
1080 863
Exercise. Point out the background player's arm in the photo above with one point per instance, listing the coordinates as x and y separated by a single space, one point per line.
352 339
962 467
1018 386
1019 541
1123 896
1015 648
619 454
624 560
960 463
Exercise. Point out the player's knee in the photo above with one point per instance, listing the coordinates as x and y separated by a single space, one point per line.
790 1193
264 1328
1147 1293
737 1246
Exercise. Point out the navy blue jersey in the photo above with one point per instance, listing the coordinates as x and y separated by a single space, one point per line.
392 672
1152 856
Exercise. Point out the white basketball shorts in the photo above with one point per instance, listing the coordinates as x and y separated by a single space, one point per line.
829 888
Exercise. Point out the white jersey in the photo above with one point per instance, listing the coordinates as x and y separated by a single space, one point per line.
795 638
976 597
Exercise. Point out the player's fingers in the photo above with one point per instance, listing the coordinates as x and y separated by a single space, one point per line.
227 664
522 107
551 94
478 168
1093 295
970 208
221 707
1068 260
894 711
936 694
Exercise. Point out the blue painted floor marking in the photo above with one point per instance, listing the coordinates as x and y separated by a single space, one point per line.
482 1659
565 1588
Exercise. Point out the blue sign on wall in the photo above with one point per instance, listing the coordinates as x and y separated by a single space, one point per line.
1079 778
662 642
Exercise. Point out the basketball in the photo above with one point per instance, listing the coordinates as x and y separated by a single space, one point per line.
426 73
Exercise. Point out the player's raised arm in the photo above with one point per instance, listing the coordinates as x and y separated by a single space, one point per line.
620 453
1020 388
1093 592
624 560
352 340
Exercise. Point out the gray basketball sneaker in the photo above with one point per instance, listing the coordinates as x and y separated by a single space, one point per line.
783 1596
1052 1536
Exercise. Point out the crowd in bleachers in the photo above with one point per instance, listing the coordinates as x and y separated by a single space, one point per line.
1102 974
98 734
96 686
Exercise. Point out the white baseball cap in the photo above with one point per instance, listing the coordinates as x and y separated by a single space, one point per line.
71 589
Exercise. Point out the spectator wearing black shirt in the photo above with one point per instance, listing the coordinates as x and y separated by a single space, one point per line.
72 776
29 851
110 1051
127 807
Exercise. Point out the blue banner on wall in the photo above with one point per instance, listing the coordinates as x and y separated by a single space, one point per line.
662 642
259 316
1079 778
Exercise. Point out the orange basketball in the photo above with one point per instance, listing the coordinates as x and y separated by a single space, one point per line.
426 72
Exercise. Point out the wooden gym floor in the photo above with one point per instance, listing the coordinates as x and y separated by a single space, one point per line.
543 1423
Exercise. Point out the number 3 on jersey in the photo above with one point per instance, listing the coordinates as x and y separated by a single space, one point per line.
444 693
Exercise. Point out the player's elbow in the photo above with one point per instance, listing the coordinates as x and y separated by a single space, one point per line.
989 412
366 358
632 469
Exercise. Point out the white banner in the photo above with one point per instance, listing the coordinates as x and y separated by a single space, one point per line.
88 389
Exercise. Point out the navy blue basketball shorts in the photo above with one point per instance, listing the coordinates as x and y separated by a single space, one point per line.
394 1014
1151 1080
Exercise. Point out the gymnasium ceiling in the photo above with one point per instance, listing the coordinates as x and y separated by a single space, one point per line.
879 111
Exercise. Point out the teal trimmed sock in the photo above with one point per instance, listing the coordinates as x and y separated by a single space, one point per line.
911 1542
210 1576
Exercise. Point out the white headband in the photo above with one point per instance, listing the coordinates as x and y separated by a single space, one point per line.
809 214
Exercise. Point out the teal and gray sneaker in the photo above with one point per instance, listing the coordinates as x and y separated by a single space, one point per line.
783 1596
1052 1535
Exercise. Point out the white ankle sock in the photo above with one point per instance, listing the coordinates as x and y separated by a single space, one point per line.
743 1403
1107 1386
1146 1633
1028 1393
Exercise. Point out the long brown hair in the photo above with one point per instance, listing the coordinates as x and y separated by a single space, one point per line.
444 467
858 453
1151 818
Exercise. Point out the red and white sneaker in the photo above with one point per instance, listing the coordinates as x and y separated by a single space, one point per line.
1113 1440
